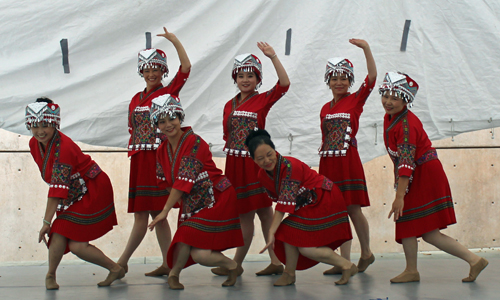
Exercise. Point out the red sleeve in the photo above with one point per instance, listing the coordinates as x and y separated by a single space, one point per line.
191 166
175 86
161 161
70 156
274 94
363 92
406 139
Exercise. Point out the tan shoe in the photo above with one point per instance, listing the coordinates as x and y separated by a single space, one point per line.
333 271
231 277
220 271
272 269
346 274
475 270
112 276
364 263
406 277
51 283
173 283
285 279
160 271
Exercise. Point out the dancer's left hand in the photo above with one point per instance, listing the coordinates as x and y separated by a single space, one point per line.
266 49
168 35
44 231
159 218
397 208
270 243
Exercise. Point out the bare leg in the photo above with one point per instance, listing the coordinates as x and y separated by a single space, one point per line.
451 246
362 229
136 236
56 252
292 257
181 256
345 250
212 258
94 255
325 255
247 228
164 237
266 218
410 274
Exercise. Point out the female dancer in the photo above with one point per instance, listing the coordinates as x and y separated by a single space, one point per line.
208 220
423 204
79 193
340 160
145 197
246 111
317 221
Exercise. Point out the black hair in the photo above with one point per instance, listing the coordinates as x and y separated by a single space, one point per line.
44 99
256 138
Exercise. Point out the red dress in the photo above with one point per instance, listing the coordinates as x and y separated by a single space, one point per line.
340 160
428 204
86 210
208 218
317 214
237 122
144 194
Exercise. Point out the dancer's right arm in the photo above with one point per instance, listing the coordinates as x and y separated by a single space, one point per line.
175 195
183 57
278 216
50 210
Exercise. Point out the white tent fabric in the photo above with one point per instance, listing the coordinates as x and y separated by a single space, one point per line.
452 52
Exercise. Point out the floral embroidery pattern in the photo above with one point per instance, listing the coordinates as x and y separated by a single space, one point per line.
200 197
289 191
143 134
77 190
428 156
223 184
239 128
337 130
327 184
189 168
159 172
93 171
60 175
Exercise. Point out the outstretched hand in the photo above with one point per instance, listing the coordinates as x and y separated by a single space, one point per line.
159 218
266 49
397 209
270 243
359 43
44 231
168 35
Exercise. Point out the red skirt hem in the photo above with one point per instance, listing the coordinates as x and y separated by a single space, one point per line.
242 172
324 223
144 192
348 174
91 217
217 228
428 204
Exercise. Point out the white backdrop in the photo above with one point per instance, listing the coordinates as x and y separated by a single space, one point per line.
452 53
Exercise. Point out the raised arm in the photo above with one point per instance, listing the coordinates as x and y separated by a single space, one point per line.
370 62
183 57
173 197
280 70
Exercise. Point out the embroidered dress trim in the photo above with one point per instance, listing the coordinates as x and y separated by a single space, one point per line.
427 156
240 123
337 137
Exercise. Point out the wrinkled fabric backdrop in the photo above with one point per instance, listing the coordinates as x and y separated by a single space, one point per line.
452 53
